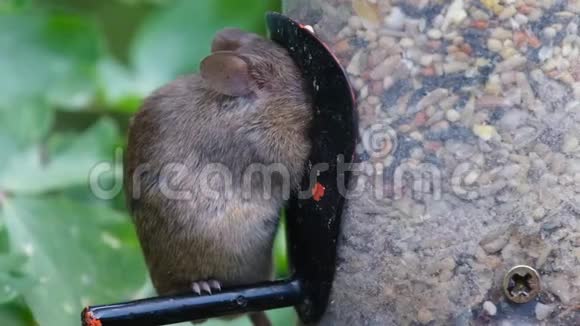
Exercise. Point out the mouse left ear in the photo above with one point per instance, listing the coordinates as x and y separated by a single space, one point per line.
231 39
227 73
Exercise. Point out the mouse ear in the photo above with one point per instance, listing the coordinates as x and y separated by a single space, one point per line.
227 73
230 39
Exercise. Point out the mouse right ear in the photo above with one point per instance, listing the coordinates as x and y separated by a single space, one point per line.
227 73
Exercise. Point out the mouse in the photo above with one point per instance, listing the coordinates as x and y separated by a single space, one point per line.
211 159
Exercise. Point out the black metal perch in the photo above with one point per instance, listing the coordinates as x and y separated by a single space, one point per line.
169 310
312 224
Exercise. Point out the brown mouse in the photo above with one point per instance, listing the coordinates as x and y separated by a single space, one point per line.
204 210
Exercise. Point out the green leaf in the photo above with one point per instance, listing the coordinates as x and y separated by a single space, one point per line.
278 317
8 147
22 126
12 285
13 5
141 2
16 314
11 262
47 57
79 255
118 86
173 41
26 124
280 249
286 316
26 173
12 281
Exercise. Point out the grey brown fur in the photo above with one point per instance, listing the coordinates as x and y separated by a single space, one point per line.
191 122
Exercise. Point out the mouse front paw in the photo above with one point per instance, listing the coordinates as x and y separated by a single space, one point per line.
206 286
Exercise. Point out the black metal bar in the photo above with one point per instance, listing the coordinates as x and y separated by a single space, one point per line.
175 309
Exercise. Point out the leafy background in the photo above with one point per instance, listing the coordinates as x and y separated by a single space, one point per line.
71 74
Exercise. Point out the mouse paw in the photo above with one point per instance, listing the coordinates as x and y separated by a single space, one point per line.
206 286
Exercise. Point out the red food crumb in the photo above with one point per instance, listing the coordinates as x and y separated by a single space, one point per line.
318 191
420 118
465 48
520 38
342 47
533 41
90 319
432 146
428 71
524 9
480 24
434 44
553 73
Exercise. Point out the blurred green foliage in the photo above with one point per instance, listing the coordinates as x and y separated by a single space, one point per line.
71 74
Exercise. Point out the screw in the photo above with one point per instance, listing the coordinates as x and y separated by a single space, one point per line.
241 301
521 284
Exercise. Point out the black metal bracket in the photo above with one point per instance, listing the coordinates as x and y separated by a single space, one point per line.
312 223
175 309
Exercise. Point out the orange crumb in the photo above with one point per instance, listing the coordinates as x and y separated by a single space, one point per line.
533 41
342 46
524 9
480 24
428 71
520 38
553 73
420 118
318 191
90 319
466 48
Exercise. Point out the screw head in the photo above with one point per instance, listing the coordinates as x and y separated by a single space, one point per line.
521 284
241 301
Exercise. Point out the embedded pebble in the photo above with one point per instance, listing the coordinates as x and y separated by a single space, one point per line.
513 119
570 144
558 163
485 132
434 34
494 45
539 213
452 115
549 32
495 241
490 308
396 19
560 287
386 68
354 67
455 14
542 311
424 316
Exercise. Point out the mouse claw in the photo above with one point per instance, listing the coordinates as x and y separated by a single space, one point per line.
208 287
215 285
195 287
205 286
